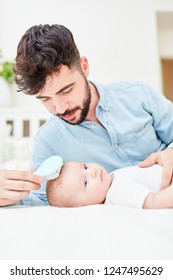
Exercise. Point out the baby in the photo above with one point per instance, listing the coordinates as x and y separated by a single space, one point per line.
81 184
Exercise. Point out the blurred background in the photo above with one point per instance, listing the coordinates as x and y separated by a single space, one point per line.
122 39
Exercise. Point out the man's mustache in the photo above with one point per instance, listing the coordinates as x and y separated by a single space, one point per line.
68 112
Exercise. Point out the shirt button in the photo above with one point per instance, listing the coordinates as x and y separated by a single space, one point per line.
93 126
116 146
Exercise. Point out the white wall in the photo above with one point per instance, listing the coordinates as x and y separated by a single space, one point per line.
165 35
119 37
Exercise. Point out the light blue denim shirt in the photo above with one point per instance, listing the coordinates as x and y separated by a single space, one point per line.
137 121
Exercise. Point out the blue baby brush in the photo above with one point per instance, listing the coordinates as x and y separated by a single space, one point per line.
50 168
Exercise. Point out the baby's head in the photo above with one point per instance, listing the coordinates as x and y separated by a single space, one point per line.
79 184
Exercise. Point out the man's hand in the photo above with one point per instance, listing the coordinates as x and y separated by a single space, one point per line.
15 185
164 158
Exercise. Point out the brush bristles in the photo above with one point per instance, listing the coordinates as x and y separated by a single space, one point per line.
53 176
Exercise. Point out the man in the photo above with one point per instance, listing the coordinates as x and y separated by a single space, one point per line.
114 125
15 185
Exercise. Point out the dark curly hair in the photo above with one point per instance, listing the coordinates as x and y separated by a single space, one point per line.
41 52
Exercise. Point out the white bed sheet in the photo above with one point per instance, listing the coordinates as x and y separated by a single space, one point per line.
91 232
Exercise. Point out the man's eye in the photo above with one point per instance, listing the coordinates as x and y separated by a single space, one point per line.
66 91
44 100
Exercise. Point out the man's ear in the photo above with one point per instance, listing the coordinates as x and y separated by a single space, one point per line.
84 65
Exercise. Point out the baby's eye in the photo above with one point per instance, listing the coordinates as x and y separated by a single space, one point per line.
85 166
85 182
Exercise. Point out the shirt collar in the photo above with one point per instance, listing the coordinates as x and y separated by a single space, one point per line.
103 101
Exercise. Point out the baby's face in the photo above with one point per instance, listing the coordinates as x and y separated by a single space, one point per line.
86 183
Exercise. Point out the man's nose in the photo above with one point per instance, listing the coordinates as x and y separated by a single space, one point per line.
59 106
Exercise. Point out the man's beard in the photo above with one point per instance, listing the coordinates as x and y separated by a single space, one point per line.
84 109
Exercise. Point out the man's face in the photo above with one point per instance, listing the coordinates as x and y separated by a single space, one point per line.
78 113
67 94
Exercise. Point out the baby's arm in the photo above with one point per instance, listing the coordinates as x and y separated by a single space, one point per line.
162 199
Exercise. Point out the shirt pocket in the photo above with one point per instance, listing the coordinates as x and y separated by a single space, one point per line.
146 140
